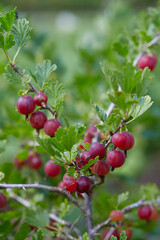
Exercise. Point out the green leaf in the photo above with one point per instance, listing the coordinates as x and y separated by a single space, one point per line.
123 236
113 238
120 48
70 171
26 79
64 209
113 121
123 197
39 234
90 163
9 41
21 32
149 191
22 155
101 113
8 20
85 236
144 104
55 92
43 71
2 175
145 82
69 139
1 41
12 76
129 78
23 232
111 76
38 218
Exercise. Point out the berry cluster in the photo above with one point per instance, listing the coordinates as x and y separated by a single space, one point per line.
33 161
38 119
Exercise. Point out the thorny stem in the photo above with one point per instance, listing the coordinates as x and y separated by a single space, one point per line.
89 215
125 210
45 187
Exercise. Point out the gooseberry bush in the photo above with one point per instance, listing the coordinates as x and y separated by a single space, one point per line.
80 156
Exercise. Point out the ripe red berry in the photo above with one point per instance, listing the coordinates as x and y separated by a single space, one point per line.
83 184
115 158
52 169
97 149
116 215
69 184
107 234
101 168
51 126
38 119
3 200
91 132
154 215
25 105
128 232
19 163
85 157
147 61
123 140
35 162
40 98
144 212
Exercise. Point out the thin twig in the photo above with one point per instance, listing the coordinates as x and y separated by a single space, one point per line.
125 210
48 188
89 215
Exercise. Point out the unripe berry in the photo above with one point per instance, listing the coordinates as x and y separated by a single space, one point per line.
101 168
123 140
147 61
25 105
40 98
51 126
69 184
35 162
108 234
128 232
144 212
116 215
19 163
115 158
52 169
91 132
3 200
154 215
83 184
97 149
38 119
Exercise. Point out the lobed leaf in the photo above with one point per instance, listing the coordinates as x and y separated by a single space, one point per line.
21 32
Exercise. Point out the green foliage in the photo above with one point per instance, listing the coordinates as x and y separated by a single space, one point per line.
12 76
85 236
38 236
101 113
123 236
23 232
21 32
43 71
149 191
123 197
7 20
37 218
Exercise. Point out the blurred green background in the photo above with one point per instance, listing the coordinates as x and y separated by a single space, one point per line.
77 36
